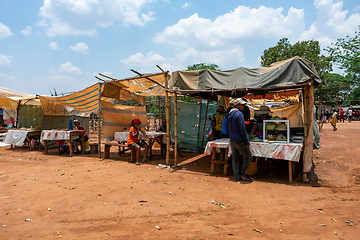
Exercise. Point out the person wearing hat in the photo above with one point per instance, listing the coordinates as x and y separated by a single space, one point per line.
239 141
262 114
133 140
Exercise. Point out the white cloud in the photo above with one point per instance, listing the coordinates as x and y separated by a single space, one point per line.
238 26
6 77
332 22
80 47
138 59
4 31
232 57
5 60
54 46
27 31
69 68
186 4
83 17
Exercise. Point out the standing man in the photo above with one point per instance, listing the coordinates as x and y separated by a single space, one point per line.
350 115
342 115
239 141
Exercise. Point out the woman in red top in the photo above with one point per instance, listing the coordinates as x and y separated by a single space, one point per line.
133 140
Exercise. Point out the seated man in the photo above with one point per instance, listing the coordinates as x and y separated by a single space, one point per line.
78 140
133 140
162 128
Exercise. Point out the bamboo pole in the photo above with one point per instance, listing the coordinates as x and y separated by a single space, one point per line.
167 120
204 126
99 121
175 130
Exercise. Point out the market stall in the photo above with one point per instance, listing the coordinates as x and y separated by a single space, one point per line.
295 76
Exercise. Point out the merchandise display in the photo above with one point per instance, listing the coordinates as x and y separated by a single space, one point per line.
277 131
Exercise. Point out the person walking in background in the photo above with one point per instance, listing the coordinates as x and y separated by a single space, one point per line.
350 115
357 115
239 141
333 120
342 115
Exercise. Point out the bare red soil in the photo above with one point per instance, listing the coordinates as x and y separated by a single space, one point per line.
85 197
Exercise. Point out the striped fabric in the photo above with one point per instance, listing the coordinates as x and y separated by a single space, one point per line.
117 118
85 101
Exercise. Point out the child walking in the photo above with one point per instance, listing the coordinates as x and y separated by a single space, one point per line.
133 140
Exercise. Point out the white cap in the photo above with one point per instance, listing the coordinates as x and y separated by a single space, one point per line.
240 101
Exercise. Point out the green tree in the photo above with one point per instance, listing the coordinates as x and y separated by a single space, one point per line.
333 89
309 50
346 53
199 66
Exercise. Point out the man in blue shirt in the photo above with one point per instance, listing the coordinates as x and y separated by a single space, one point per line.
239 141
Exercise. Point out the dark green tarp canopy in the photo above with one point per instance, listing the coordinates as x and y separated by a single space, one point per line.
288 74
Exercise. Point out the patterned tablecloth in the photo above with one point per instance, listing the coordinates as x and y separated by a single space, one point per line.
123 136
284 151
56 135
17 137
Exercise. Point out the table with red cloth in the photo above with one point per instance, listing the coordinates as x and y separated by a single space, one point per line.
284 151
66 135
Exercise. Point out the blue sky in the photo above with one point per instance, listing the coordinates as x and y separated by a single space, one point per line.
63 44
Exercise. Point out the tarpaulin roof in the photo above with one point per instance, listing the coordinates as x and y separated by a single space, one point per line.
84 101
136 88
10 98
288 74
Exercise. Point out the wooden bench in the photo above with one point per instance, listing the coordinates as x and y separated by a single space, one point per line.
120 145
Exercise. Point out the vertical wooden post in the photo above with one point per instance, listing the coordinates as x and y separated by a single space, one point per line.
167 119
16 125
204 126
175 130
99 122
308 129
290 172
159 108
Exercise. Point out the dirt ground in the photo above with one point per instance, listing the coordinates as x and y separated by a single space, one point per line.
85 197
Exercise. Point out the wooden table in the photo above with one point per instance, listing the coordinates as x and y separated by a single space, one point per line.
284 151
67 136
150 137
21 137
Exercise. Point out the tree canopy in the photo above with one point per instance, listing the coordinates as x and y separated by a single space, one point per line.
199 66
309 50
346 53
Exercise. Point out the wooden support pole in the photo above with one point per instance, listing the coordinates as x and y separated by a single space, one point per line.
167 120
204 126
99 121
175 130
290 172
308 129
16 125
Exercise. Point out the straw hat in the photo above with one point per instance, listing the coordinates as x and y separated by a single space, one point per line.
240 101
263 110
